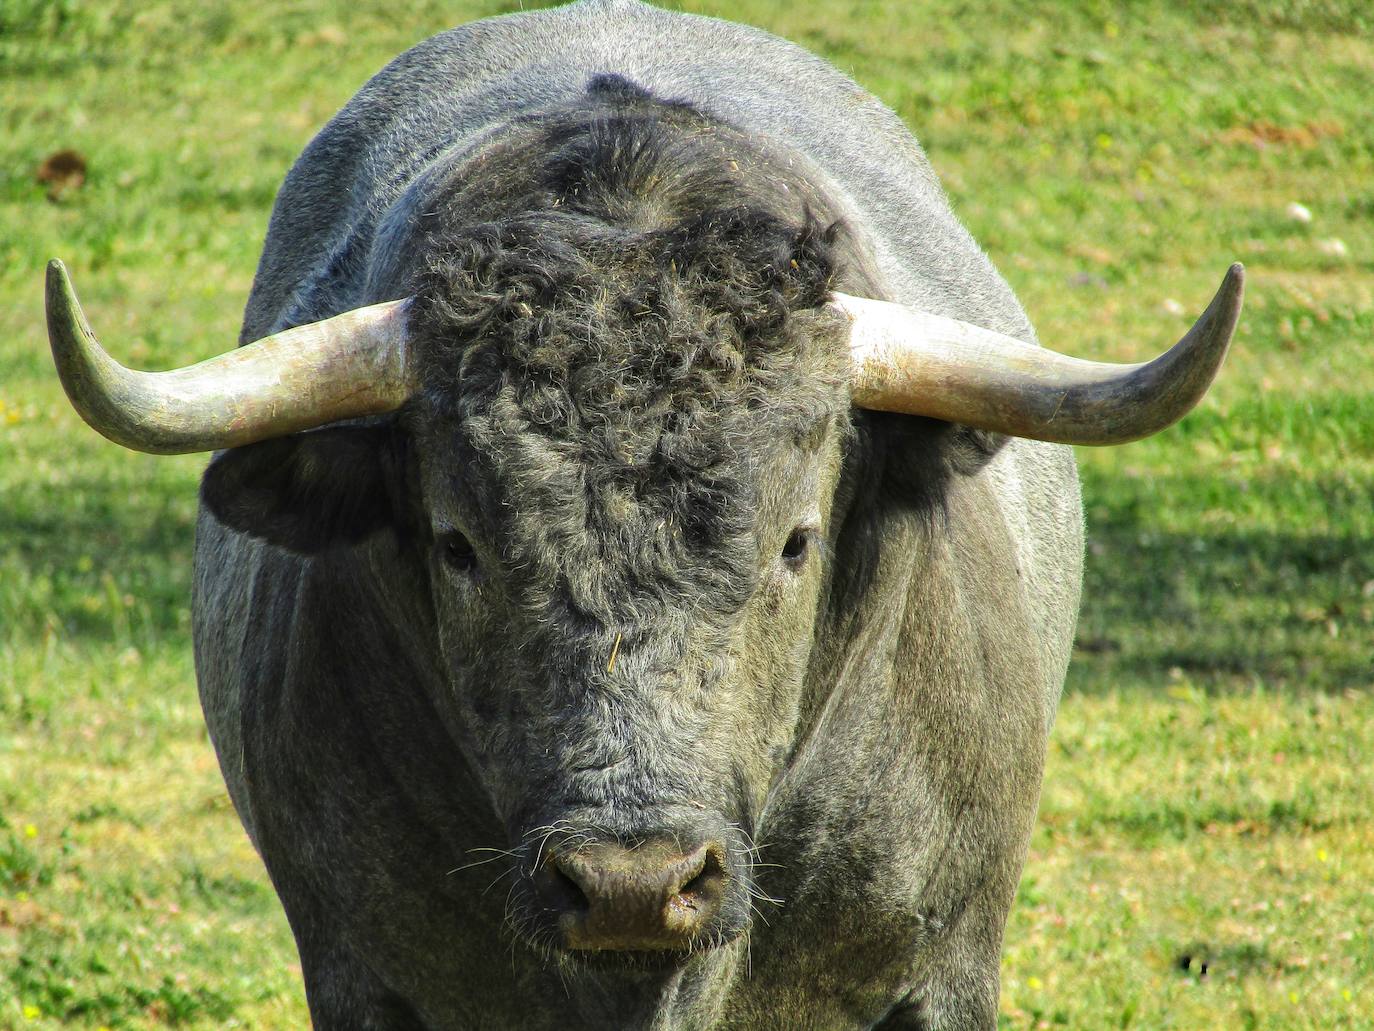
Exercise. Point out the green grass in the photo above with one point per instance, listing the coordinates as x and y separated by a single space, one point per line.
1208 797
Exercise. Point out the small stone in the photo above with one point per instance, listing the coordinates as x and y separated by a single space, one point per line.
1333 247
1172 307
1298 212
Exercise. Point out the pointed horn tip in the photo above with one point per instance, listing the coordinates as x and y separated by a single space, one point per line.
1234 283
57 278
1227 303
60 301
69 333
1231 293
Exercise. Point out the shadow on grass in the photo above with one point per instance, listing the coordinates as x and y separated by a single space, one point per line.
1224 609
1234 959
103 555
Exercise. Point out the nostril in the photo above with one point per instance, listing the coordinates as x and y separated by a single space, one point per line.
570 888
695 886
560 889
707 880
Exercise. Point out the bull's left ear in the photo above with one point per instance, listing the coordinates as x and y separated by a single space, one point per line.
311 491
967 449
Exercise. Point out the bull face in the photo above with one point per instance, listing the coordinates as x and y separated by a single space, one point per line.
625 484
628 694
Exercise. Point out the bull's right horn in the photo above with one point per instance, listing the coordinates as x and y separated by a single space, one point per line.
349 366
919 363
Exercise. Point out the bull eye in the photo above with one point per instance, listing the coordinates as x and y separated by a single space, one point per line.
798 544
457 552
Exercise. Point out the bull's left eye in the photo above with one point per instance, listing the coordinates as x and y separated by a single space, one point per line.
458 552
798 544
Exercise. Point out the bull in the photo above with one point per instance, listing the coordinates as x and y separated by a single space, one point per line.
640 562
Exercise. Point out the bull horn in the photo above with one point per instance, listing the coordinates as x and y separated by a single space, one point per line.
352 365
921 364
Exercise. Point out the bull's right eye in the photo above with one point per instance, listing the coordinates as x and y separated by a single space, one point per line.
797 545
457 552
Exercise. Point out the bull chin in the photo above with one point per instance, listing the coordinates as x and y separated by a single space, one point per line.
637 990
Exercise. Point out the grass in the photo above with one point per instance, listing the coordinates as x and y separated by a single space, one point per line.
1205 847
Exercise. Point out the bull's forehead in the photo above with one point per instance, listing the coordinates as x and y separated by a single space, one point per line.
626 413
611 518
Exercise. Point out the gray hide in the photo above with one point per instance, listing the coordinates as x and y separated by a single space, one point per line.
900 825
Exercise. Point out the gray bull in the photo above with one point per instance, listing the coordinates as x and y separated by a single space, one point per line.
639 577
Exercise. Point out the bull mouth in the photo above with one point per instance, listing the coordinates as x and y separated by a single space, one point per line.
640 961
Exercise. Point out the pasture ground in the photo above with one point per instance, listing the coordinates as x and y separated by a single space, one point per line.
1205 852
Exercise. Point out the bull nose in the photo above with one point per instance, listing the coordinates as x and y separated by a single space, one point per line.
652 897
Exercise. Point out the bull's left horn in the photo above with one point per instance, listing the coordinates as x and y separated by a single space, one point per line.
352 365
921 364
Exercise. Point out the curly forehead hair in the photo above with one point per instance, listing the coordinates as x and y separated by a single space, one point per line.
641 323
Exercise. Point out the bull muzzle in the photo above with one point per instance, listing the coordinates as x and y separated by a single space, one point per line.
654 897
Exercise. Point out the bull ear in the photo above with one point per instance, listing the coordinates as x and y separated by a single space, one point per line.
968 449
311 491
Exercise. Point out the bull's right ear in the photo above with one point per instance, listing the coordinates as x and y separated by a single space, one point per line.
311 491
